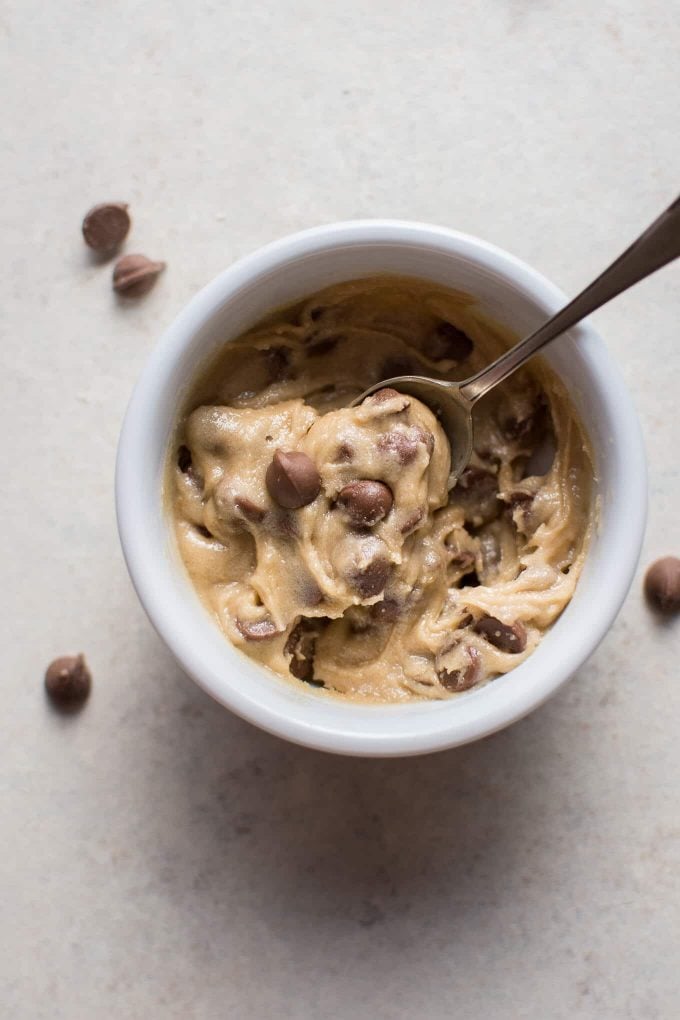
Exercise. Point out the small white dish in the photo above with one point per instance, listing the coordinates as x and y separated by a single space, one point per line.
285 271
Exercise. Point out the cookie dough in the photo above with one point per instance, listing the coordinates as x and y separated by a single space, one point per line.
323 537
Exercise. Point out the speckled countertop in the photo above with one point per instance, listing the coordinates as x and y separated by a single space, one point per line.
160 858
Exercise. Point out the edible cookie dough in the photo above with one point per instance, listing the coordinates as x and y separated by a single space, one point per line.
323 537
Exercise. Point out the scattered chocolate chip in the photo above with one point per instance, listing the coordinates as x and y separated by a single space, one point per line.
184 460
412 521
257 630
277 360
399 445
662 584
506 637
386 611
105 227
203 531
465 621
68 681
251 511
458 680
400 364
134 275
366 502
292 479
321 347
448 342
372 579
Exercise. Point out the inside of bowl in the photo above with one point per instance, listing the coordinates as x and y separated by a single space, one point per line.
519 299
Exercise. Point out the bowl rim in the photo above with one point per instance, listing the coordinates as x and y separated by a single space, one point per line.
142 557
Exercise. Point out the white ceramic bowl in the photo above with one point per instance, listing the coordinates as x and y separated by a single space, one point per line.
283 272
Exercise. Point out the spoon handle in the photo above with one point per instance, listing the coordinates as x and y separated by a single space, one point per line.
657 246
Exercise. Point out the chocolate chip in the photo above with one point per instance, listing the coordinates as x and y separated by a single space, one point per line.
105 226
400 364
463 560
380 396
251 511
397 444
526 424
68 681
315 314
424 437
470 580
477 494
412 521
292 479
386 611
506 637
184 460
283 524
366 502
388 395
301 646
372 579
321 347
257 630
662 584
134 275
448 342
203 531
344 454
277 360
458 680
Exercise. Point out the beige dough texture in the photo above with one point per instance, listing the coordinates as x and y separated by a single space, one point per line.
323 538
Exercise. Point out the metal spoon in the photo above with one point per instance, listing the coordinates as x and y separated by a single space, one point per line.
452 402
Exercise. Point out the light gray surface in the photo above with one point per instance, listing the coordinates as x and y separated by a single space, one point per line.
159 857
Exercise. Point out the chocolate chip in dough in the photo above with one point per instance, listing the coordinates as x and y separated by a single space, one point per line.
412 521
397 444
277 360
68 681
506 637
372 579
321 347
344 454
184 460
366 502
292 479
257 630
251 511
662 585
458 680
301 646
386 611
388 395
106 226
447 342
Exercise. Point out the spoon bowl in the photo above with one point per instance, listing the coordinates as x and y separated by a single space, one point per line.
448 404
